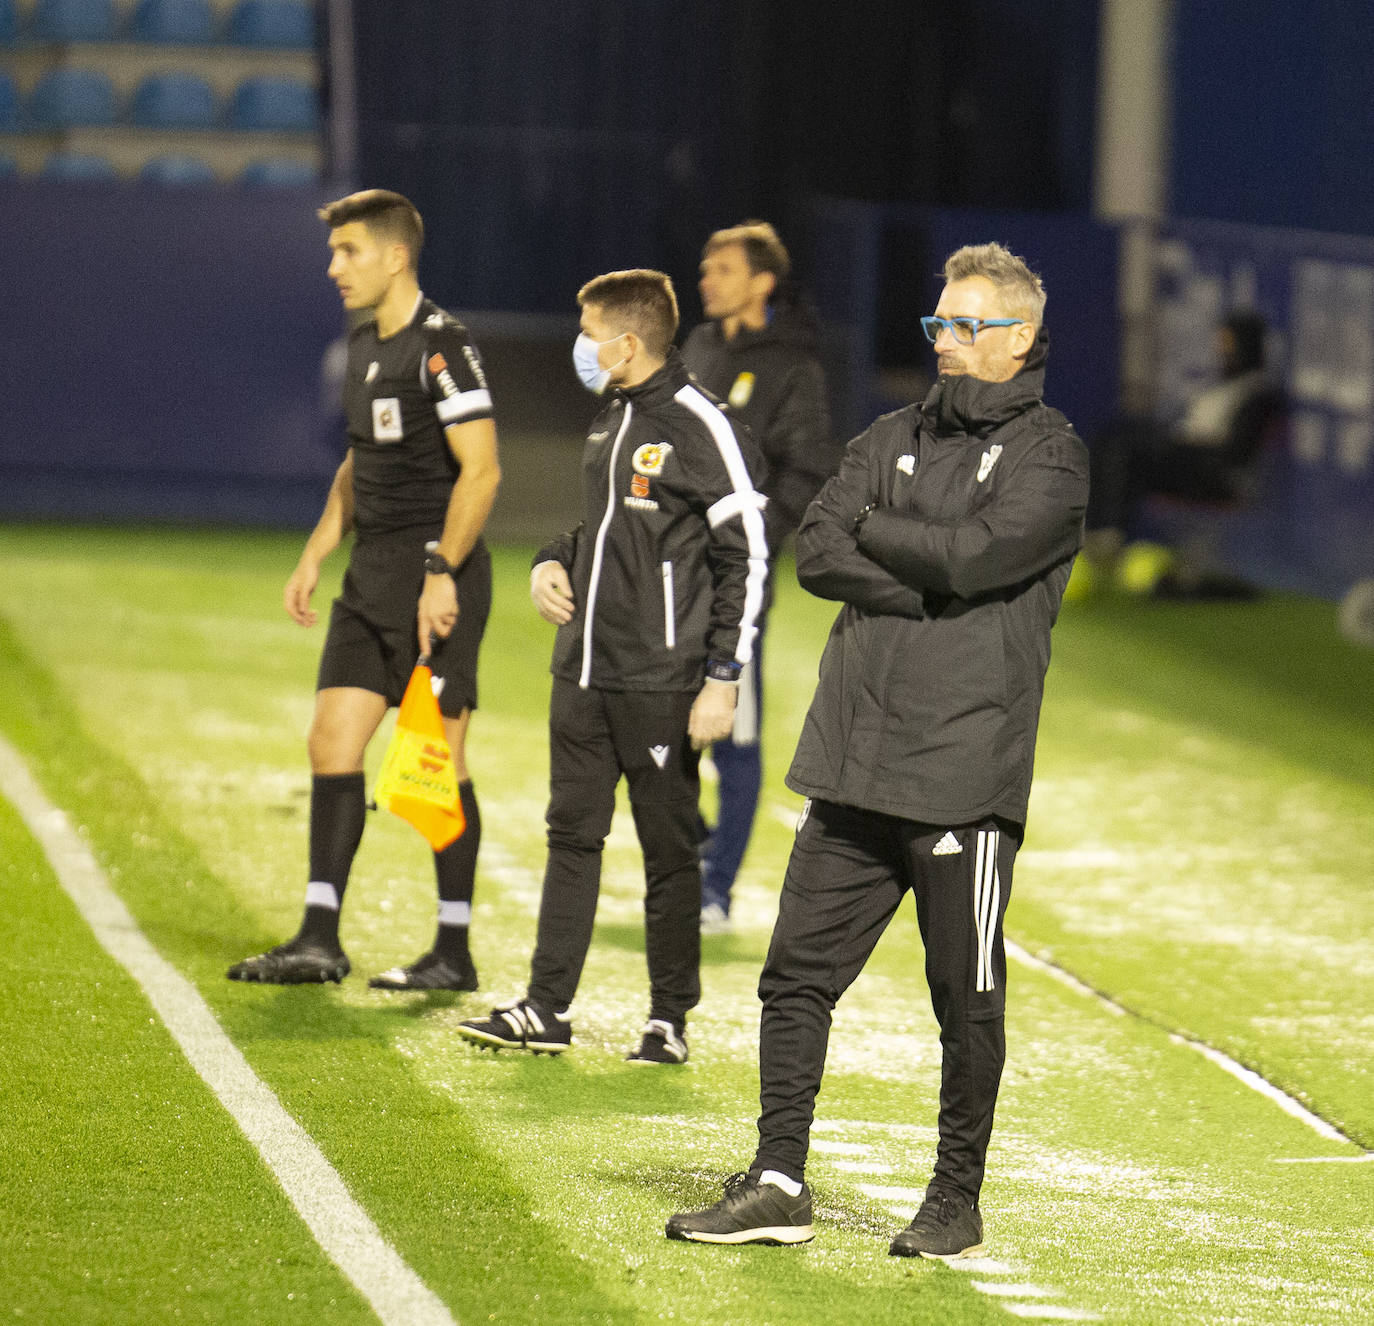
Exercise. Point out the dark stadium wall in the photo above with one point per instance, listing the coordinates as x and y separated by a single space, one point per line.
561 138
1273 123
162 353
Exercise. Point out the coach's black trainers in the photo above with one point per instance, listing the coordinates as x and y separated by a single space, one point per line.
945 1227
750 1212
519 1026
429 973
293 963
660 1045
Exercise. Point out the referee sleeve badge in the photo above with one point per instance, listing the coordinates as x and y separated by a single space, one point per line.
418 780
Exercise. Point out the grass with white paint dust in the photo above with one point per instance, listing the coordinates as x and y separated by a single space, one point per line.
1198 852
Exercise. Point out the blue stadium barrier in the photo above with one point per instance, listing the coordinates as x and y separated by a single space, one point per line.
78 166
279 173
280 23
173 101
273 103
9 104
74 20
9 22
173 22
177 169
64 98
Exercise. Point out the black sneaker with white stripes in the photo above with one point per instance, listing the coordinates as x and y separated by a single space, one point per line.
519 1025
750 1212
430 972
294 963
946 1227
660 1045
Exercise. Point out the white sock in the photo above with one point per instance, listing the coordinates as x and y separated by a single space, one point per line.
320 894
790 1186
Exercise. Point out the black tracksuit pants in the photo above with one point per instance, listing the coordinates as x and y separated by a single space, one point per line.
595 737
848 871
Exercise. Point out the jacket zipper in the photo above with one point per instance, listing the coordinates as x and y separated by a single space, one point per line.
669 624
584 680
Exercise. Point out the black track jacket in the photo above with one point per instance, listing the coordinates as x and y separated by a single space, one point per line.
669 564
773 381
931 681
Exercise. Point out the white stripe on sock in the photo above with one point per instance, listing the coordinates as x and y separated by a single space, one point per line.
455 913
320 894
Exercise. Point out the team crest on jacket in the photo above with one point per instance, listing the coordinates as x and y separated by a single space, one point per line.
988 461
742 391
649 458
907 463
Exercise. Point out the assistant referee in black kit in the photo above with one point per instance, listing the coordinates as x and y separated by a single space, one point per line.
415 488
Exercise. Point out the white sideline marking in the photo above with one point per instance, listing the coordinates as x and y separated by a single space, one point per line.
1050 1312
978 1266
999 1290
1255 1082
826 1145
1248 1076
1325 1160
860 1166
1028 959
882 1193
341 1227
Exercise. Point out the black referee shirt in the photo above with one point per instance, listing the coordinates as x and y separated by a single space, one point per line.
399 395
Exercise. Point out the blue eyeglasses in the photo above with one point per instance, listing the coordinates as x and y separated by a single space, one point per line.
964 330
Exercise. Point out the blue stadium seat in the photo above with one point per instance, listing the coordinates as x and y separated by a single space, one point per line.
282 23
177 22
9 22
177 169
9 104
78 166
74 20
279 173
284 104
173 101
66 97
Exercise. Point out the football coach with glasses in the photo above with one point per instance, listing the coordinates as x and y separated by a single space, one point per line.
948 535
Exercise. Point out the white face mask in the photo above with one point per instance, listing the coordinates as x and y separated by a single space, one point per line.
588 366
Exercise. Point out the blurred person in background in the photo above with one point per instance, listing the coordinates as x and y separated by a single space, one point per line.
415 489
1212 454
757 352
949 535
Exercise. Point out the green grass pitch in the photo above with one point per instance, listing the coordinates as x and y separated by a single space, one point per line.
1199 852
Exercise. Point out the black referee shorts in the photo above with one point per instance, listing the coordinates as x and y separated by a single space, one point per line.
359 651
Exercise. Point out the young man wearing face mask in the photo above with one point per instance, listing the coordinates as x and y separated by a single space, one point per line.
656 596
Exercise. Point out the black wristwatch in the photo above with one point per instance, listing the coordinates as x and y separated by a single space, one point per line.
436 564
723 670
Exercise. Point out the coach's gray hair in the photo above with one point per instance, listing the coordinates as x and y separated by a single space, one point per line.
1022 291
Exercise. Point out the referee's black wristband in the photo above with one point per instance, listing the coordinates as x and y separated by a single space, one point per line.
718 671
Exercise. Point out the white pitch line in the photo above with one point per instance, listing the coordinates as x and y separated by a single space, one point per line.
1000 1290
1050 1312
341 1227
1255 1082
1028 959
880 1192
1325 1160
1247 1076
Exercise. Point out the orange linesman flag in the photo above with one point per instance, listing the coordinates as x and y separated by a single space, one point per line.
418 781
